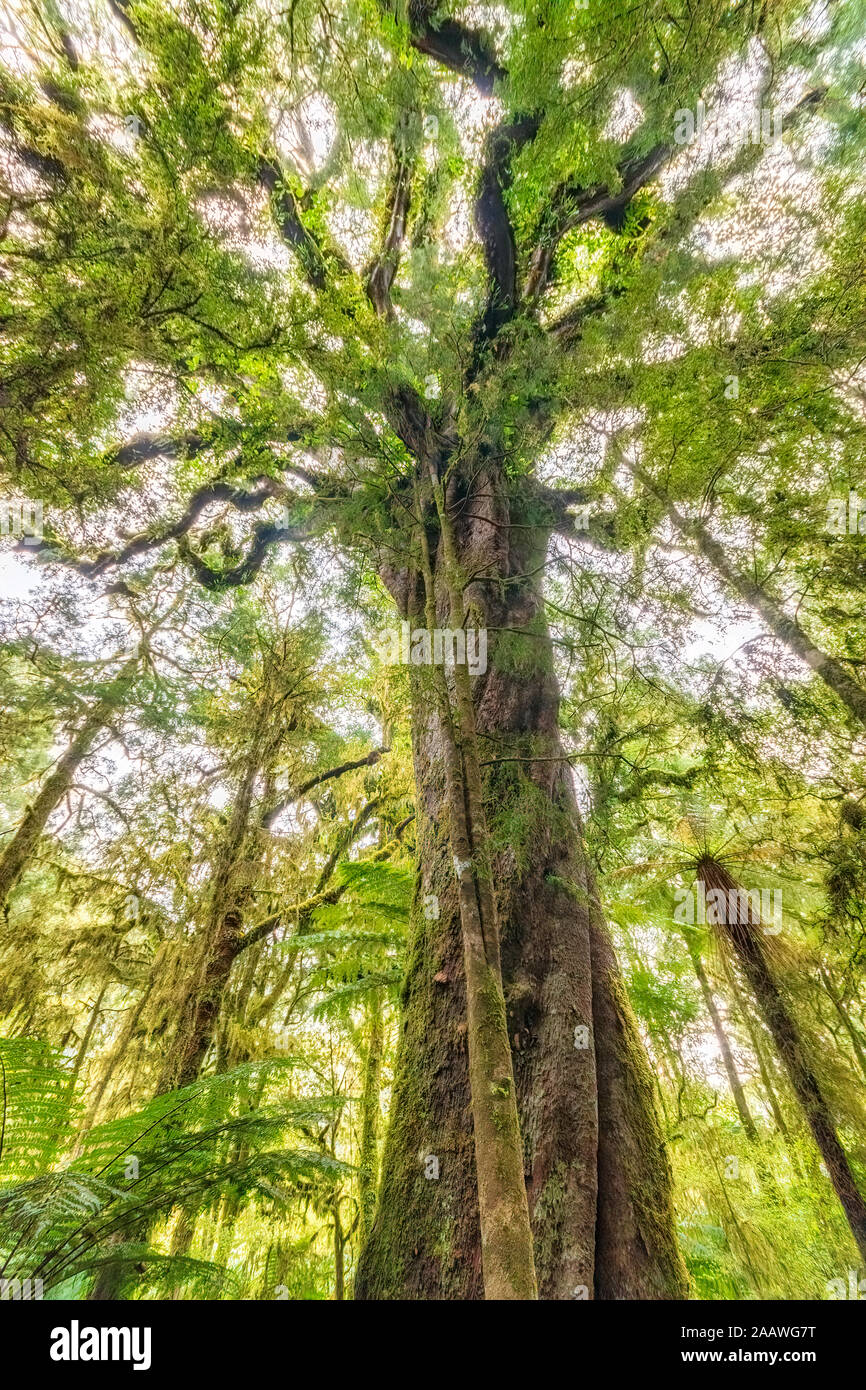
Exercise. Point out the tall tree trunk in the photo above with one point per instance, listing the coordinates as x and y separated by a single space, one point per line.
58 782
339 1253
722 1039
86 1040
597 1177
117 1054
215 954
220 942
507 1257
368 1161
758 1048
847 1021
831 670
744 937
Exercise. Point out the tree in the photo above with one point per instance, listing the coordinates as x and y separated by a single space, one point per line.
743 930
399 394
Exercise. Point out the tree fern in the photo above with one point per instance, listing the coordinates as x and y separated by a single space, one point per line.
129 1172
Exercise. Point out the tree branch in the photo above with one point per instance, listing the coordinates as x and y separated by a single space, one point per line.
368 761
380 276
571 206
493 225
303 911
265 534
463 50
144 447
311 254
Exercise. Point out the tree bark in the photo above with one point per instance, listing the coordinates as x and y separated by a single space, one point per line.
745 940
368 1160
722 1039
507 1257
830 669
597 1178
58 782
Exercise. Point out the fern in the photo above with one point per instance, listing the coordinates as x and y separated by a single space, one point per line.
130 1172
36 1105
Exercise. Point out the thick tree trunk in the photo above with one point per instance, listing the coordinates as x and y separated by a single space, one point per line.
597 1178
507 1256
745 939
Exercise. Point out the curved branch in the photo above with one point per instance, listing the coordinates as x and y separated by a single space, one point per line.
464 50
571 206
275 812
265 534
144 447
304 911
287 209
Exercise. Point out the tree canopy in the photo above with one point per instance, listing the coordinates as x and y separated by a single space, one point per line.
331 967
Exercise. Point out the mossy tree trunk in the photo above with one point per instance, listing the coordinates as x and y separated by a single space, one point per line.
733 1075
832 670
221 940
596 1175
368 1160
507 1258
745 939
59 781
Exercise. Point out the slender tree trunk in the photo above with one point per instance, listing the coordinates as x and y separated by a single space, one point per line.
339 1254
117 1054
831 670
597 1178
87 1038
758 1049
847 1021
215 954
58 782
745 940
220 941
722 1039
368 1162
